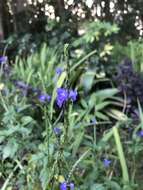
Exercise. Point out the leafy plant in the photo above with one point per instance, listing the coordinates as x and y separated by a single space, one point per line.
64 125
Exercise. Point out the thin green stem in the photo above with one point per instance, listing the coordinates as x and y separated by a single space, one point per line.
3 102
18 165
66 108
94 135
77 162
47 126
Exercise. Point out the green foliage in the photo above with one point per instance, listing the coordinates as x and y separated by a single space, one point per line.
96 43
133 50
96 31
93 128
60 20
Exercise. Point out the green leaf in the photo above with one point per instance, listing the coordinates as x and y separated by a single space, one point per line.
113 185
77 142
101 116
102 105
121 154
84 103
116 114
140 113
43 55
44 177
26 120
10 149
97 187
107 93
87 80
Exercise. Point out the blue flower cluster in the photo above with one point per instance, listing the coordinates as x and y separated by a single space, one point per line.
3 59
43 98
106 162
57 131
140 133
64 186
28 90
59 71
63 95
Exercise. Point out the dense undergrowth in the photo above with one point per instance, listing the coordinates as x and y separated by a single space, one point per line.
71 116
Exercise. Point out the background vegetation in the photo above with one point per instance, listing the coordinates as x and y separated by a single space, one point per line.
71 95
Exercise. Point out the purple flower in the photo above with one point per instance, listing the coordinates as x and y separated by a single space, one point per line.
71 186
73 95
62 96
106 162
57 131
3 59
140 133
59 71
63 186
43 98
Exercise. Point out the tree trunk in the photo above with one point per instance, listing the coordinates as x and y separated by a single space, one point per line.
7 24
108 15
1 26
59 7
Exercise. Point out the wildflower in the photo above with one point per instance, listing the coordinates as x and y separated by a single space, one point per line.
71 186
73 95
140 133
106 162
3 59
59 71
62 96
63 186
93 121
43 98
57 131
